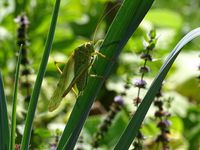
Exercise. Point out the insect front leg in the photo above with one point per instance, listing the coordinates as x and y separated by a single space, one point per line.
56 64
103 56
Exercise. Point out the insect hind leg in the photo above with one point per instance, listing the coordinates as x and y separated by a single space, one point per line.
97 76
94 75
75 92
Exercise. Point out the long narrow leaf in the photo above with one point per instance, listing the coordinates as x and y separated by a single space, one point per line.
125 23
38 83
4 128
135 123
13 124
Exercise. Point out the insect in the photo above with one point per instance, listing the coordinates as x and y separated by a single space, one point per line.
80 61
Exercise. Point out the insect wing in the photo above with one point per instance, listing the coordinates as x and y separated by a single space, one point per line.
82 62
81 72
64 81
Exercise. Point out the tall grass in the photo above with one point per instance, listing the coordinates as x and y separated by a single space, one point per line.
14 100
4 128
37 87
125 23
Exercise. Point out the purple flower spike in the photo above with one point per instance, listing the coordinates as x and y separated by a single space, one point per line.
119 100
140 83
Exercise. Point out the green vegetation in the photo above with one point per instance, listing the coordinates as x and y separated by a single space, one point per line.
139 40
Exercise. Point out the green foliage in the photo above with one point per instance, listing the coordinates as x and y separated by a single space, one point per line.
135 123
191 125
14 107
165 18
38 82
76 25
4 128
118 34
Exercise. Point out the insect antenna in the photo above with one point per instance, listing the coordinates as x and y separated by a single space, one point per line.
102 18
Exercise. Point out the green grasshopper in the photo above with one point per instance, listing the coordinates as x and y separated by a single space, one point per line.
81 60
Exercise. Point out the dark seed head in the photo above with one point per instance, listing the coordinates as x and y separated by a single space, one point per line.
137 101
146 57
159 94
162 138
137 146
163 124
25 72
104 127
26 85
21 33
27 99
21 42
144 69
160 113
140 135
158 103
24 61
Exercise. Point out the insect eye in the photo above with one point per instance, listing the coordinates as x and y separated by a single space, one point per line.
88 45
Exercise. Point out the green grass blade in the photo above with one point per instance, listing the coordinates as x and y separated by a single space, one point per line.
125 23
38 83
4 128
13 124
136 121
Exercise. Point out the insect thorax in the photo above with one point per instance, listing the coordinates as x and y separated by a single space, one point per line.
82 60
83 53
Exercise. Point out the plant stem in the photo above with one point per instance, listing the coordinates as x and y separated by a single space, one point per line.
14 107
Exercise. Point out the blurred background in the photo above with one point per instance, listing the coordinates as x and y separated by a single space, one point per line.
81 21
